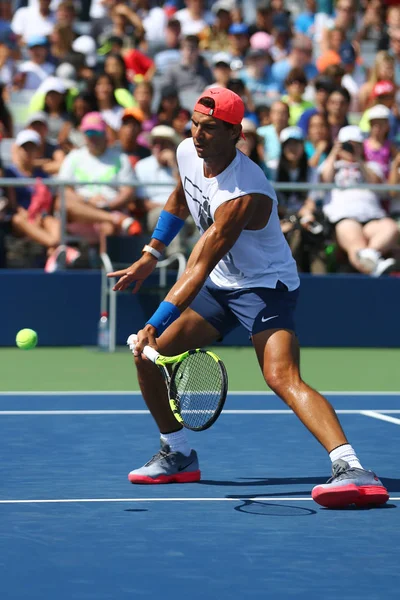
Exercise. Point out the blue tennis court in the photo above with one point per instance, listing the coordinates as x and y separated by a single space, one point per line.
73 527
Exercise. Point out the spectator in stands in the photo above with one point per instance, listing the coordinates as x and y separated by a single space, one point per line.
295 84
154 20
384 93
170 54
237 85
125 24
382 70
300 57
131 127
323 87
394 50
362 227
270 134
377 146
194 19
335 73
394 179
191 74
160 167
304 22
345 19
318 143
33 21
169 102
109 102
143 95
251 145
8 47
50 158
71 136
392 23
256 75
216 37
96 211
55 107
263 20
66 13
263 112
139 66
337 108
335 38
32 205
354 76
61 39
221 69
239 42
6 122
280 47
296 211
181 120
373 20
33 72
115 67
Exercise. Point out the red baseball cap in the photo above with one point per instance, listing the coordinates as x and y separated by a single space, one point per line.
229 107
383 87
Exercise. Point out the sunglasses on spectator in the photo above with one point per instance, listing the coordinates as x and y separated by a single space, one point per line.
94 133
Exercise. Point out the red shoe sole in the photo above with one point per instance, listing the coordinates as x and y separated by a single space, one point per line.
177 478
341 497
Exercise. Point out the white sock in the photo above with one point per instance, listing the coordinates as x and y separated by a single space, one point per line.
345 452
177 441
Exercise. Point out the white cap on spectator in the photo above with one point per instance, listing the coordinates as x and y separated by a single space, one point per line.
52 84
37 117
67 73
28 135
221 57
351 133
85 44
380 111
227 5
248 126
166 133
291 133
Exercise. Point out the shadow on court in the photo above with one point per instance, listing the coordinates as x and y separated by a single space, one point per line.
392 485
270 509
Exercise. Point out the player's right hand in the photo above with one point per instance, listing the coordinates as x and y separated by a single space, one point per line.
136 273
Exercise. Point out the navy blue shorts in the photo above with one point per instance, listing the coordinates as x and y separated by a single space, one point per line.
257 309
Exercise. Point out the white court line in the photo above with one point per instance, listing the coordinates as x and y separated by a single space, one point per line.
75 500
233 393
225 412
378 415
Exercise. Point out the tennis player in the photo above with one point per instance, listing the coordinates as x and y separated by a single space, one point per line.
240 272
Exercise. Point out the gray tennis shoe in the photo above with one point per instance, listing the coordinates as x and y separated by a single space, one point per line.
349 485
168 467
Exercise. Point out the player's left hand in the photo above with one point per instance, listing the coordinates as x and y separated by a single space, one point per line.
145 337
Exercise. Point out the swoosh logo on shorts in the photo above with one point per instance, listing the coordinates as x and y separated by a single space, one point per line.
269 318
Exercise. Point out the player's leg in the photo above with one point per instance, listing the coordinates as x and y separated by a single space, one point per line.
198 326
278 355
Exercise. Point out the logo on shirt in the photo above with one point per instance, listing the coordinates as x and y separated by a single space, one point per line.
202 203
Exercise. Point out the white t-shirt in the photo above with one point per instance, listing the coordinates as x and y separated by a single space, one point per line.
149 169
346 202
113 116
28 22
191 26
154 23
112 166
35 74
258 258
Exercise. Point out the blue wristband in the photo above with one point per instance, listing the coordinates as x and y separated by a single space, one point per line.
168 226
165 314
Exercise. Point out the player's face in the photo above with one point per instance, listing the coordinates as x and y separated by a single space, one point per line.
210 136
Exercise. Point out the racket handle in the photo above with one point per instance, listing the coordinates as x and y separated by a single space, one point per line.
151 353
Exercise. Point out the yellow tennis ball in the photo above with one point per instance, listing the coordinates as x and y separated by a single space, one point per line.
26 339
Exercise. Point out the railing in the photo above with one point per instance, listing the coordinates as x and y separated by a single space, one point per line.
62 184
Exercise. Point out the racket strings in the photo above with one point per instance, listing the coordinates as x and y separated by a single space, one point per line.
197 385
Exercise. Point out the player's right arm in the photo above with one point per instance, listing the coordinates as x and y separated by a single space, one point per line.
141 269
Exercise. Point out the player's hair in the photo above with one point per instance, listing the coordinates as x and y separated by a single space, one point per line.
210 103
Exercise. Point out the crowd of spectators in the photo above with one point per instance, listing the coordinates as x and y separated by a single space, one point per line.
99 93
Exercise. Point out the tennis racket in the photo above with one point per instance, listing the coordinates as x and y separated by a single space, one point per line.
197 384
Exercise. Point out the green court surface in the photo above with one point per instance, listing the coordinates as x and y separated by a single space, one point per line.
86 369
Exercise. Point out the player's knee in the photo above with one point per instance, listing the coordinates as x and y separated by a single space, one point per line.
280 379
